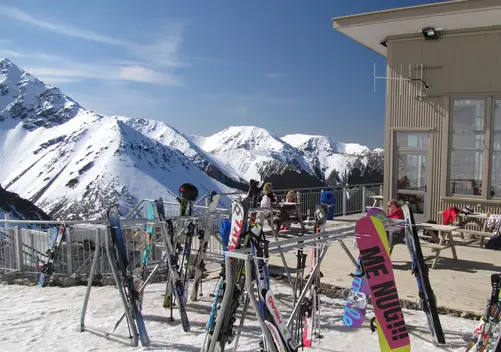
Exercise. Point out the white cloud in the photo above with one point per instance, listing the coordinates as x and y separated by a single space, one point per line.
275 75
146 75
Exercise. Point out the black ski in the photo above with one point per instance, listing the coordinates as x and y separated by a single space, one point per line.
420 270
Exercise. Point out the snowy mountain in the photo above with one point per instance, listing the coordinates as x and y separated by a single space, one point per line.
257 154
336 161
212 165
73 163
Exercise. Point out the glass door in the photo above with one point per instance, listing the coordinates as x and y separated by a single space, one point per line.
411 170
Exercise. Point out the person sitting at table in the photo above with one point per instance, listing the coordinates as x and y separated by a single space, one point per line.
290 197
288 209
394 210
268 196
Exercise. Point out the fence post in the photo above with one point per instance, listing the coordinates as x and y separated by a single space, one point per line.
19 249
380 190
363 200
69 251
344 201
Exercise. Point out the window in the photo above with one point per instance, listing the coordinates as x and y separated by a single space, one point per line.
496 150
467 149
471 149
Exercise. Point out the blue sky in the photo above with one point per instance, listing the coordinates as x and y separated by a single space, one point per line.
202 66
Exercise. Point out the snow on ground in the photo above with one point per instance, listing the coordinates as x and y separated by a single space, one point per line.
47 319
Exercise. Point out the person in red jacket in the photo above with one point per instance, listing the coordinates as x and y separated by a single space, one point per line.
394 210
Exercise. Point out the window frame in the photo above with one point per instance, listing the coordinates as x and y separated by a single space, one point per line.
490 101
492 131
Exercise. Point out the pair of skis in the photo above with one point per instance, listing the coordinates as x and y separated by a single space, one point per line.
269 313
128 285
175 280
219 327
420 271
204 237
47 269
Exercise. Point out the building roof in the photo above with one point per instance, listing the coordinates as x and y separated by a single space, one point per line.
372 28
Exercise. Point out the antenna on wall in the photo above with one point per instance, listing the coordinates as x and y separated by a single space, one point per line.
410 78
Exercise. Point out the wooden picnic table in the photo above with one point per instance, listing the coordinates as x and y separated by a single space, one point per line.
444 234
477 218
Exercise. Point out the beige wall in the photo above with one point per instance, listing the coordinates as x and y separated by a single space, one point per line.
467 64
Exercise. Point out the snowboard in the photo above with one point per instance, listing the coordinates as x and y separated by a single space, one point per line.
377 212
47 269
375 256
128 286
420 270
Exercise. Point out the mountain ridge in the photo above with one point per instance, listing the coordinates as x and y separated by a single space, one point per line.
59 155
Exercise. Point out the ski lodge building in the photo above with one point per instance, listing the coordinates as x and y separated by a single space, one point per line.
443 102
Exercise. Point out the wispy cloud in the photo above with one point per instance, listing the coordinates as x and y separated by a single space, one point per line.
275 75
21 16
66 70
10 53
163 53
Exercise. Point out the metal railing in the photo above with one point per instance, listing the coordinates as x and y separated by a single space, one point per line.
349 199
22 249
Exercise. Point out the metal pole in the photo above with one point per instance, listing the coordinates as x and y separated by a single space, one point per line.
97 252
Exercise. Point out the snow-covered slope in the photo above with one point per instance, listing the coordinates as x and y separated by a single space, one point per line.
80 168
255 153
212 165
333 160
75 165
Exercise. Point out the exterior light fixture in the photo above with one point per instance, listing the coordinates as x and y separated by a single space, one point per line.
430 33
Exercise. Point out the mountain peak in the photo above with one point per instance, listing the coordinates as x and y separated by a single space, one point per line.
324 143
24 98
